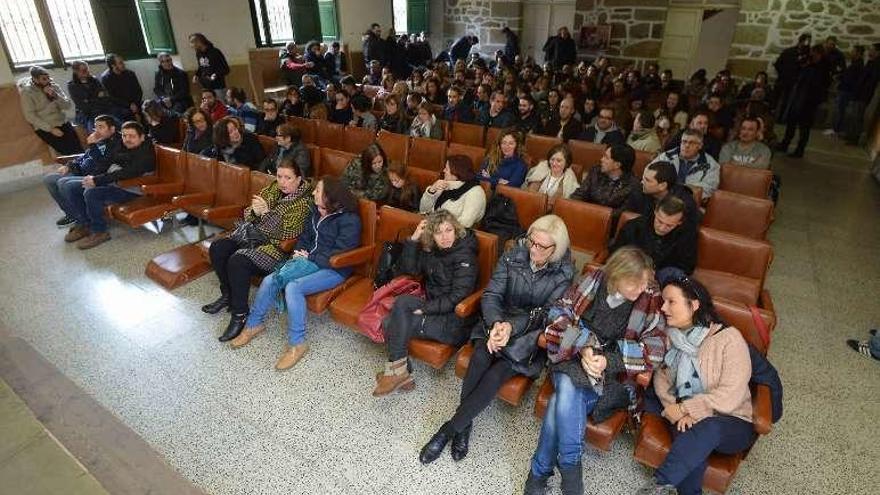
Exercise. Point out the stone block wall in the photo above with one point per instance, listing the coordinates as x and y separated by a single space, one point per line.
484 18
766 27
636 26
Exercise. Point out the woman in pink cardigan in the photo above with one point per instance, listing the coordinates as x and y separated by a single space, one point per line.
702 389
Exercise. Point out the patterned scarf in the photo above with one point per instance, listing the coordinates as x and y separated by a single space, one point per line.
643 344
683 361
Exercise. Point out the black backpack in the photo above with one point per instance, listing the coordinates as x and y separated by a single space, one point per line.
763 373
500 219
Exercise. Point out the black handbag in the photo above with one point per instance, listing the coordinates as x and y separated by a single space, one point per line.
386 267
523 342
248 236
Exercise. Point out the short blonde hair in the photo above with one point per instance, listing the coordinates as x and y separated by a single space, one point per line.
435 219
553 226
626 263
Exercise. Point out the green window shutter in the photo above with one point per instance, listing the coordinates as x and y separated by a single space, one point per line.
416 16
116 20
306 20
329 25
156 26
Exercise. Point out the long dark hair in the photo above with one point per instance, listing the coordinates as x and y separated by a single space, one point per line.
367 157
221 135
337 197
706 314
191 112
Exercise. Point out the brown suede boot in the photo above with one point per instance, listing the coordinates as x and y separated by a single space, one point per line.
76 233
93 240
396 377
246 336
291 356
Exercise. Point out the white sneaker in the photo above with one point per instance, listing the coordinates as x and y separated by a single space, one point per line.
828 132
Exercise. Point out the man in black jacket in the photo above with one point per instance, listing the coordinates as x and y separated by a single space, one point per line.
565 126
808 93
171 86
89 96
136 158
659 180
864 91
560 50
604 131
788 65
667 236
122 86
462 47
373 45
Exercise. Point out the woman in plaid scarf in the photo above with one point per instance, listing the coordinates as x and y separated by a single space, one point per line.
604 331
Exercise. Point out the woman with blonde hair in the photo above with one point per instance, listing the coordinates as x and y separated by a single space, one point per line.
444 254
527 279
605 330
553 176
504 163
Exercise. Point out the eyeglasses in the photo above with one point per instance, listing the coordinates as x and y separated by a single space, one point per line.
691 142
531 243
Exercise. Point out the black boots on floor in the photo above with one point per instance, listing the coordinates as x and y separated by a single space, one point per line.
217 306
236 325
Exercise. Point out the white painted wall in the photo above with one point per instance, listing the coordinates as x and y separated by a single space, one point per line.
355 17
714 44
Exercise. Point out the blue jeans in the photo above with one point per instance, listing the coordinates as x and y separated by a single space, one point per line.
54 182
562 434
86 206
295 296
874 345
686 462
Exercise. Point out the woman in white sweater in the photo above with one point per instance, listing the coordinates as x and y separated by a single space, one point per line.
458 192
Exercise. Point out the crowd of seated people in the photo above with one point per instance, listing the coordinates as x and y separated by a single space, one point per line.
599 103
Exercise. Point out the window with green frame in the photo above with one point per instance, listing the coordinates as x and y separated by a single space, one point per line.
410 16
277 22
56 32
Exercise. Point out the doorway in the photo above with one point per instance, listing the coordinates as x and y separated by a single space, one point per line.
697 38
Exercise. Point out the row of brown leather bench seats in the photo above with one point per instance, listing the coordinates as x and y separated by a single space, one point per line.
217 193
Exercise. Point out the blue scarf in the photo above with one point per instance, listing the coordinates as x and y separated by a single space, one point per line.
289 271
682 359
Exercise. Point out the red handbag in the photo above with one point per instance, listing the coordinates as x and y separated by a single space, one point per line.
369 321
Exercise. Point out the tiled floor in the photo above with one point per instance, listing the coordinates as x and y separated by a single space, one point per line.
231 424
32 462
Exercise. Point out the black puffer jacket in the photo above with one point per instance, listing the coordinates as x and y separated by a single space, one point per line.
514 290
450 275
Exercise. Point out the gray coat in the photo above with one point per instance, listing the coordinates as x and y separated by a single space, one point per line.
514 290
41 112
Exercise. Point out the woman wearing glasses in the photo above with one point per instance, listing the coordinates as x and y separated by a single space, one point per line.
527 278
605 330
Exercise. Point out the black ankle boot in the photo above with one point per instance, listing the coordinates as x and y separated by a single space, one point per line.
535 485
217 306
572 480
460 441
236 325
432 450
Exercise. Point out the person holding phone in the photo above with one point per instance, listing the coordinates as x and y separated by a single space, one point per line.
531 275
606 326
279 213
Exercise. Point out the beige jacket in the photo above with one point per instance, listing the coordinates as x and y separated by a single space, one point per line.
40 112
725 369
536 175
647 141
468 209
